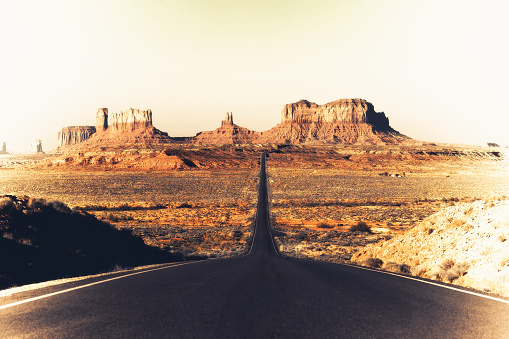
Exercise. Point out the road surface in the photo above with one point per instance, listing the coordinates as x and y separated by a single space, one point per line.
259 295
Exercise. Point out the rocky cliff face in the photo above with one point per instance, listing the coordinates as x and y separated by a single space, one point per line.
3 150
354 111
348 121
101 120
127 127
130 120
74 135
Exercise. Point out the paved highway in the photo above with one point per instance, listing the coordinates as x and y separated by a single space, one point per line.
259 295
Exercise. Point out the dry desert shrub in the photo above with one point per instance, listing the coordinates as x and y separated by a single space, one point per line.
361 226
447 264
419 270
373 263
325 225
449 271
6 204
396 268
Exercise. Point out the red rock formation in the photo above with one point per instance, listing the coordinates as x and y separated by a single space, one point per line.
355 111
101 120
343 121
127 127
74 135
130 120
350 121
228 133
228 120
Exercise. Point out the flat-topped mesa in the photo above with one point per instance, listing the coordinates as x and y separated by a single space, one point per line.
355 111
72 135
228 120
130 120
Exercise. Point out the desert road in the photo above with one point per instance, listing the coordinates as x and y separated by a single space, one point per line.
259 295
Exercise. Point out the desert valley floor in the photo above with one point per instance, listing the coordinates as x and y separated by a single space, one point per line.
318 194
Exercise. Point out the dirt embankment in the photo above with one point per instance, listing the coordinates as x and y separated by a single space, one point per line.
435 212
465 245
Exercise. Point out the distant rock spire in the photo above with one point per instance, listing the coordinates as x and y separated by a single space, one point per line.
228 120
101 120
36 146
4 148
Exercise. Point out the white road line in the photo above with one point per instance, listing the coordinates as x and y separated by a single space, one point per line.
431 283
91 284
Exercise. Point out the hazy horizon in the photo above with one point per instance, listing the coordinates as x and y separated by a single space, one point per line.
438 69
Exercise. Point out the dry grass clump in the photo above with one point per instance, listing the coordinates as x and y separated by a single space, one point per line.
448 271
361 226
324 225
396 268
463 244
373 263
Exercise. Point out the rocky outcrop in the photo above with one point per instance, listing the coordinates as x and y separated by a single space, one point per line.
130 120
127 127
227 134
354 111
228 120
101 120
36 146
74 135
349 121
3 150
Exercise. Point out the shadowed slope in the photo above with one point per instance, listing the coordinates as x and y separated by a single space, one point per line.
47 240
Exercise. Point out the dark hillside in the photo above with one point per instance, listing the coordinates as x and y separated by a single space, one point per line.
43 240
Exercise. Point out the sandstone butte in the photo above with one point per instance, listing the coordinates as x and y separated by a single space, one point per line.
131 126
348 121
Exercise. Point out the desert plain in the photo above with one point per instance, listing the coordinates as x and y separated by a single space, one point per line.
339 203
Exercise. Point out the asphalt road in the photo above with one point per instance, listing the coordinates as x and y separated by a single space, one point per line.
260 295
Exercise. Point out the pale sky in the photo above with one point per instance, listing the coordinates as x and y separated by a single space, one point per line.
438 69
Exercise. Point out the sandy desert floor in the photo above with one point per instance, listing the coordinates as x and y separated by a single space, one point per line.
318 194
202 212
316 208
